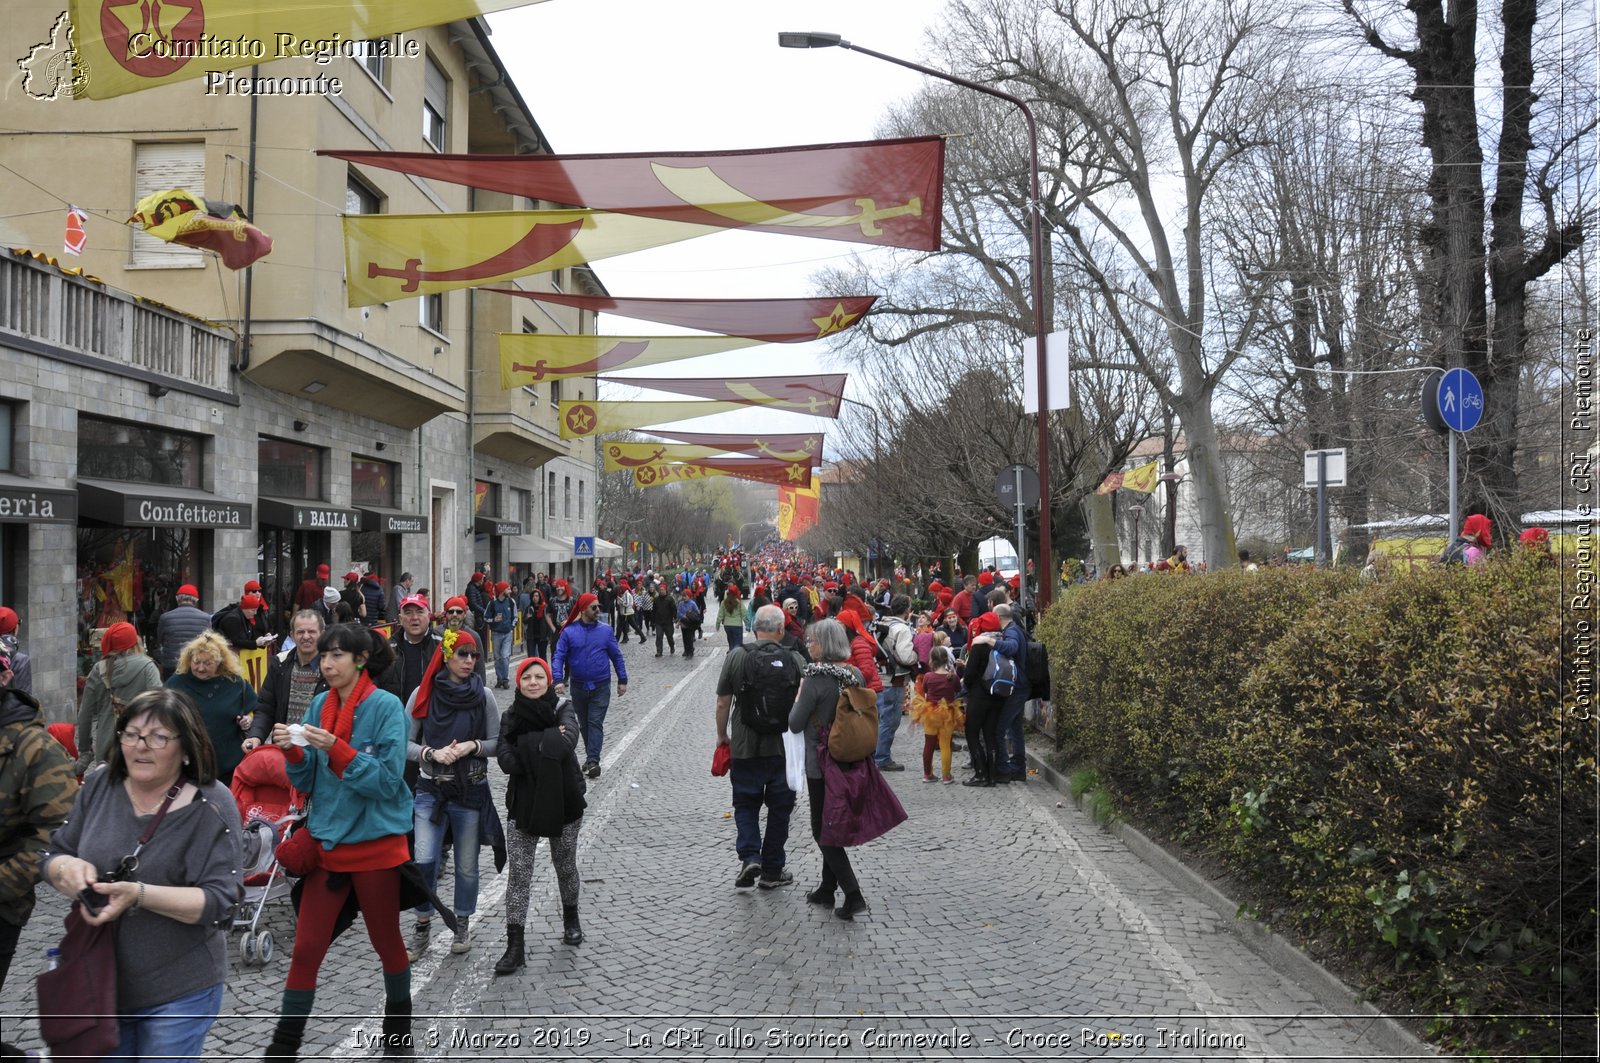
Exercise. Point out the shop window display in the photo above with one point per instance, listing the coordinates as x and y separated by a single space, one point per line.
129 574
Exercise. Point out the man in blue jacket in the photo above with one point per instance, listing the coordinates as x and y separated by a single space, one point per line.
585 655
1011 756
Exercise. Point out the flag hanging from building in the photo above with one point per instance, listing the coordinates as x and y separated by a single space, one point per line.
181 217
797 512
767 320
782 447
395 256
760 470
1142 479
887 192
623 455
76 235
582 418
123 46
533 357
816 395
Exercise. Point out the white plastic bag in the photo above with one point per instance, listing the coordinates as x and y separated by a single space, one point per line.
794 759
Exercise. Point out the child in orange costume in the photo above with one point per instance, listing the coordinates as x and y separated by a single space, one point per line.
936 706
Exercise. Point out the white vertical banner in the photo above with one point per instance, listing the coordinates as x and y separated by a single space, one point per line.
1060 381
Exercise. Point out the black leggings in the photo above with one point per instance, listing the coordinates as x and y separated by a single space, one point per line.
664 630
836 870
981 722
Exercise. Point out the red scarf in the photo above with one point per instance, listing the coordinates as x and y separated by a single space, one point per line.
340 718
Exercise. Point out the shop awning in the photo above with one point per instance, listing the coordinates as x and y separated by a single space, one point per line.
607 548
154 505
536 550
25 501
392 521
303 513
496 526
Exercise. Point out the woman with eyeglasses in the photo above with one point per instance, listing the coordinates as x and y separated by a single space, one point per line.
210 675
348 756
171 898
454 730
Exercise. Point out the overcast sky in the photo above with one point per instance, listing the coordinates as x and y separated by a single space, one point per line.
642 75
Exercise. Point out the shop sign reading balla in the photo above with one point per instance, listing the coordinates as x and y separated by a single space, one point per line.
327 519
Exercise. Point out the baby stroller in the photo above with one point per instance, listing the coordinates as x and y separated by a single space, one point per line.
269 808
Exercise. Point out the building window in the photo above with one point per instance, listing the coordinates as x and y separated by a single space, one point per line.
374 482
435 106
550 496
359 197
528 329
580 499
567 495
486 498
160 167
431 312
7 420
555 394
118 450
374 57
288 470
555 279
521 507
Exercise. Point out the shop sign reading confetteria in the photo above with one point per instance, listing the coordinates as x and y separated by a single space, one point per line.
166 512
33 506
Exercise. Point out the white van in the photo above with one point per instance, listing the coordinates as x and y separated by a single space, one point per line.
1001 554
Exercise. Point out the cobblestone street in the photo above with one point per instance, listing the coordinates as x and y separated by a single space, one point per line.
1003 924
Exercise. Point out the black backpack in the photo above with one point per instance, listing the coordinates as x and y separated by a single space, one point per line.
216 617
1455 553
771 683
1037 669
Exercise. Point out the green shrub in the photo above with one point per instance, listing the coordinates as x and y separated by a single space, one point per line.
1389 768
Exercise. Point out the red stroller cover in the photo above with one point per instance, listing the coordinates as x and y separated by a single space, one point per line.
261 790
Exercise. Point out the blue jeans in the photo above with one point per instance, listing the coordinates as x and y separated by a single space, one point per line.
464 837
1010 754
735 633
890 702
502 655
591 706
758 781
173 1031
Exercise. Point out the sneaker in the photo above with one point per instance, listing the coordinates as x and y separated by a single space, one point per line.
419 940
930 778
462 942
592 769
948 780
891 765
772 882
747 876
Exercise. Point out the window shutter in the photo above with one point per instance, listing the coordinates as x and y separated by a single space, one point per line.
159 167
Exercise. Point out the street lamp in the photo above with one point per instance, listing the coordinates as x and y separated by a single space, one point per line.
1035 260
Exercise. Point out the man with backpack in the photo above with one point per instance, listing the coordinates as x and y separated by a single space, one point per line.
759 683
1011 761
897 660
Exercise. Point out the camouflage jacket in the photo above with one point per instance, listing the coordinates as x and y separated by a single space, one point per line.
37 788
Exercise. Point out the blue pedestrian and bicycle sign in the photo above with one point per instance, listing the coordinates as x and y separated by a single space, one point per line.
1460 400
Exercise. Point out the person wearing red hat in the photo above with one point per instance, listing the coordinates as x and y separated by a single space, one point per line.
478 594
1536 541
178 626
374 601
21 663
352 596
122 674
983 708
1472 545
243 625
501 620
538 751
309 592
585 655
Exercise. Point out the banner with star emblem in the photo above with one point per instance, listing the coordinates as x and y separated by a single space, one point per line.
817 395
767 320
758 469
619 456
784 448
582 418
395 256
887 192
122 46
533 357
797 511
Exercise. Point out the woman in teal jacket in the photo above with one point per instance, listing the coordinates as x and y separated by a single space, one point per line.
349 756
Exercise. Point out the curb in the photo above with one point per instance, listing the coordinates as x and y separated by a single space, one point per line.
1280 954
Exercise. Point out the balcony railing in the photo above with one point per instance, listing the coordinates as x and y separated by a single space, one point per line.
40 303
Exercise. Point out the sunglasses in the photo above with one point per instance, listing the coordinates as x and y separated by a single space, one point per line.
473 654
455 612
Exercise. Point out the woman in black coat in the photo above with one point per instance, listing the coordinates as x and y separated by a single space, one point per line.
544 799
983 709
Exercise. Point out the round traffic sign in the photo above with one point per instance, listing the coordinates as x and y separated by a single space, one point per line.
1460 400
1005 486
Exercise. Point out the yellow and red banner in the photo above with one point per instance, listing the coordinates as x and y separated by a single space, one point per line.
397 256
181 217
532 357
887 192
757 469
620 456
783 447
816 395
767 320
797 511
123 46
582 418
1142 479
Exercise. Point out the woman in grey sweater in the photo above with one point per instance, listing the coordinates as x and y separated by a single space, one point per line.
172 898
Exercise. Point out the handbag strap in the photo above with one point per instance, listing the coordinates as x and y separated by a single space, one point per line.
161 814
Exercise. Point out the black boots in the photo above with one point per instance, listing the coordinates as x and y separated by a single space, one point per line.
572 932
286 1038
514 956
397 1042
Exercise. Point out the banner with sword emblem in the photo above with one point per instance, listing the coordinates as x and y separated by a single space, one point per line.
816 395
622 455
767 320
582 418
533 357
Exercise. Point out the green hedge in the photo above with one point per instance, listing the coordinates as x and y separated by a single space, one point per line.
1386 769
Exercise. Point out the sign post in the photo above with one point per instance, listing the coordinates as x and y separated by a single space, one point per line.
1324 469
1460 400
1017 487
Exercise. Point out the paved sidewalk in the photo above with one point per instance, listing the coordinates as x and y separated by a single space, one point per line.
1004 924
